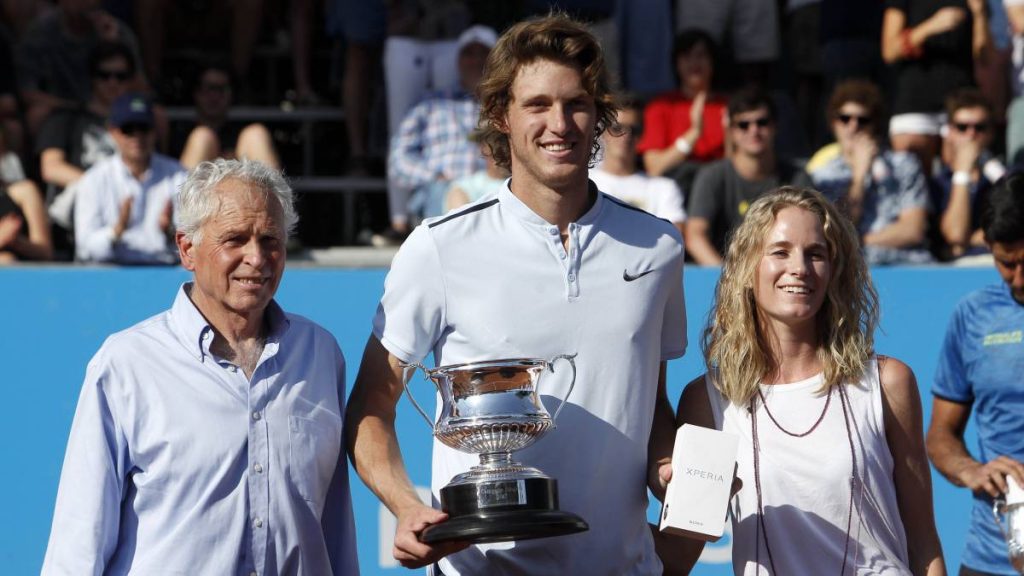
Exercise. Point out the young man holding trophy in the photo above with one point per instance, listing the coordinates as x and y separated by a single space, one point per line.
980 370
546 275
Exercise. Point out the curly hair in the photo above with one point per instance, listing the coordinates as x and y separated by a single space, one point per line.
857 91
735 344
555 37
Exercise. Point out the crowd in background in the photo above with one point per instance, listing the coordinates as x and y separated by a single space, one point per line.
903 112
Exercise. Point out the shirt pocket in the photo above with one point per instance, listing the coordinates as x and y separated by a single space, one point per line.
313 454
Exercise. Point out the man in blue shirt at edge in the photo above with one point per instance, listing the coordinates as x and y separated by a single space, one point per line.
980 369
207 439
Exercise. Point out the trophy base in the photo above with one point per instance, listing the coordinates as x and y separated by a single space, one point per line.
502 510
504 526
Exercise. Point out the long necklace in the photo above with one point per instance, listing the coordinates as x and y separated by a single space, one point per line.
762 530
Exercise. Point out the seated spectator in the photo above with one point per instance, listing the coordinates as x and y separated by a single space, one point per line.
751 26
478 184
967 171
52 59
73 139
208 25
24 227
432 146
684 129
124 205
215 135
723 190
884 192
618 174
420 50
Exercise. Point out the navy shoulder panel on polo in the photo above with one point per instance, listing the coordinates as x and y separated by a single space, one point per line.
476 208
611 198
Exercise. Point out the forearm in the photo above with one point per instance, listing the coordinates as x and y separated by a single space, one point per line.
59 173
853 202
377 458
29 249
895 235
1015 14
981 38
956 219
702 251
660 443
658 162
950 456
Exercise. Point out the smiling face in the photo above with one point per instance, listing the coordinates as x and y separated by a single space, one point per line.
550 126
239 261
753 132
794 271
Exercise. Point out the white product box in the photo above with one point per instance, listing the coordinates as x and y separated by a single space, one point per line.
697 497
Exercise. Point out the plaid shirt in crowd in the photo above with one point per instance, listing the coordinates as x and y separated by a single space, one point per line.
432 143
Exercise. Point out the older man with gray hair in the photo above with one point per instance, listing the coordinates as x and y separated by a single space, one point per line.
207 439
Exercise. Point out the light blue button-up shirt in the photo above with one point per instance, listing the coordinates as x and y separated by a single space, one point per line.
179 464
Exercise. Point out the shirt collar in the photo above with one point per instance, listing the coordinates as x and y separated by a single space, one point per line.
523 212
192 329
123 170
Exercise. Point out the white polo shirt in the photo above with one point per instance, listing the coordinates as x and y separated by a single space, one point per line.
492 280
657 195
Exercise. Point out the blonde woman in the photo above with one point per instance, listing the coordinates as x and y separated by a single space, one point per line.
832 462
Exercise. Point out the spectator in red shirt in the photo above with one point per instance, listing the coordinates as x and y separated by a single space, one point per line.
684 128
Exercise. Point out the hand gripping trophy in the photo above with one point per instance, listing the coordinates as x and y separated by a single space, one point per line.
492 408
1012 506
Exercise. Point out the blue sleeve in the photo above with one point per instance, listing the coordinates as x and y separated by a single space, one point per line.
87 515
951 381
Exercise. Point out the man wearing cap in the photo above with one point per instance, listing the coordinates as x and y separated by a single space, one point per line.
124 206
432 147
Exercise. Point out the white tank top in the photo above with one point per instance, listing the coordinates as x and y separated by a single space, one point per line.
805 483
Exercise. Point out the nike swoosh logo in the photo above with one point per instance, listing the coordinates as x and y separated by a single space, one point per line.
629 277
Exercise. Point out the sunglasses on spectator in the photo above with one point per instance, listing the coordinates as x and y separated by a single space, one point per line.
979 127
861 120
119 75
133 129
762 122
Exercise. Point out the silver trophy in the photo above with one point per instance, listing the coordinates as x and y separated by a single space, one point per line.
1012 507
492 408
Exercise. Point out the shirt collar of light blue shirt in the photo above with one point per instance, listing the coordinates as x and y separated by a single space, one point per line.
191 328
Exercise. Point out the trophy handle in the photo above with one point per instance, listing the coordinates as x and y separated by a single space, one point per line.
407 371
551 366
998 509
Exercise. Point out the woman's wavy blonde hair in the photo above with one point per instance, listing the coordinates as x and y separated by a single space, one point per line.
555 37
735 345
